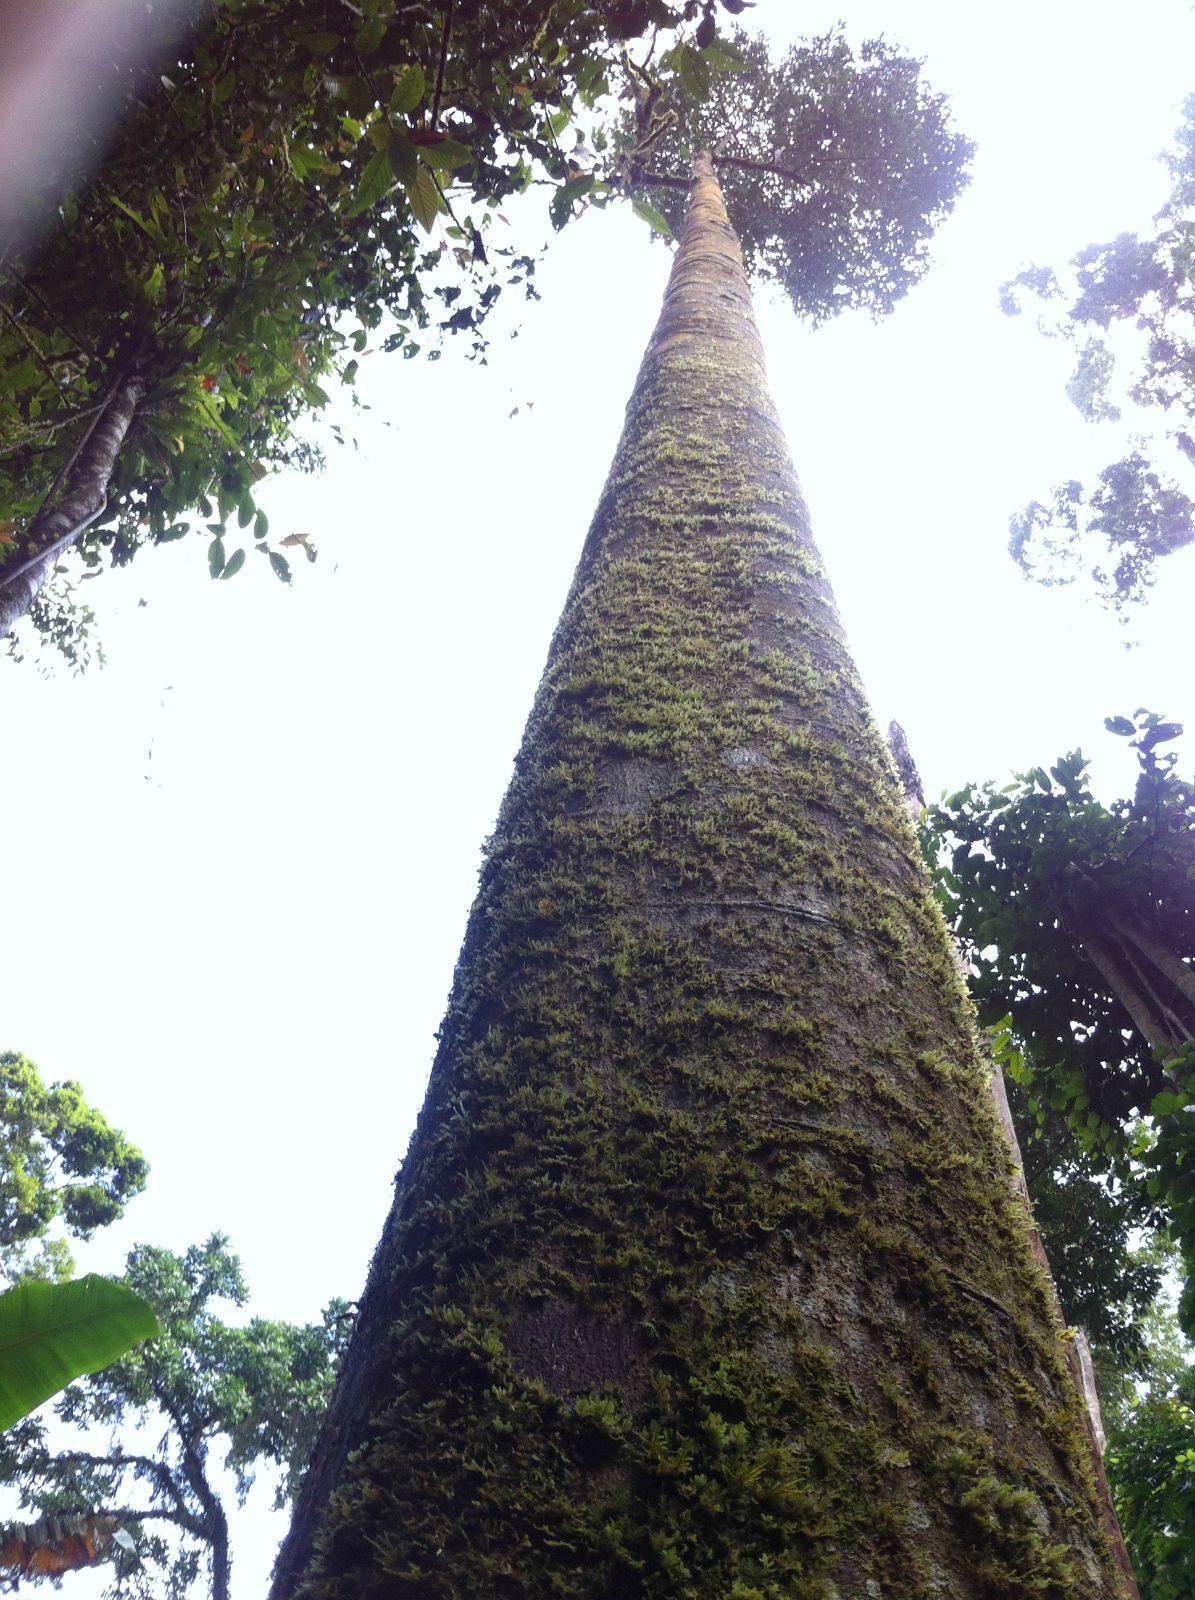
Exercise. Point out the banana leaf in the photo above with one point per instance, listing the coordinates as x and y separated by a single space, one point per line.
52 1333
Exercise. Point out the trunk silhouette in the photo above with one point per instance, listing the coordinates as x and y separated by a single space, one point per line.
1151 980
705 1274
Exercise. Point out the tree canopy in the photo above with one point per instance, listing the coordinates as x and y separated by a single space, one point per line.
60 1160
207 1394
837 165
303 182
1140 507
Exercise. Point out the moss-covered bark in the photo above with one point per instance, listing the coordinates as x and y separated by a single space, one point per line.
705 1276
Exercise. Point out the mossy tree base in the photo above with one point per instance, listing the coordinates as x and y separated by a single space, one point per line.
705 1276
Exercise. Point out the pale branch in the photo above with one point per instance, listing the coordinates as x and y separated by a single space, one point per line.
1163 958
659 180
1111 967
84 499
1162 1009
743 164
444 37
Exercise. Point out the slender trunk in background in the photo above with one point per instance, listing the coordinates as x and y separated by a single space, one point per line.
705 1275
84 496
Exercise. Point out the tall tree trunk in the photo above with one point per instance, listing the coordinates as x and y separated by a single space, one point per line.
84 497
705 1275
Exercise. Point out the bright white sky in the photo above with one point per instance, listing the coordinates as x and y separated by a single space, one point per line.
241 856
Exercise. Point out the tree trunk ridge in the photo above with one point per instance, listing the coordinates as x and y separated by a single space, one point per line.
705 1276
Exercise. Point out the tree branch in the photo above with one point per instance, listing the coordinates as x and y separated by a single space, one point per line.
192 1463
743 164
1163 958
660 180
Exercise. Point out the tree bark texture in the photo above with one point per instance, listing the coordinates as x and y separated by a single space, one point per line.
705 1275
85 493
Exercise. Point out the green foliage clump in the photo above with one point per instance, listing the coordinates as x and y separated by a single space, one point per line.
265 214
1078 923
60 1161
1141 508
1151 1466
837 165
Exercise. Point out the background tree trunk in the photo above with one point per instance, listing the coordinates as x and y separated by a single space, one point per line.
84 497
705 1274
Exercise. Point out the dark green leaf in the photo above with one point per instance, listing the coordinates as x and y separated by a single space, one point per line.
446 154
404 161
376 181
694 71
562 201
370 35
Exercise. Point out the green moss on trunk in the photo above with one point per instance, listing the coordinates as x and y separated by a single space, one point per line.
705 1277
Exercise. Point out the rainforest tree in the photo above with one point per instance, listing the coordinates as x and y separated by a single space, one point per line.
705 1272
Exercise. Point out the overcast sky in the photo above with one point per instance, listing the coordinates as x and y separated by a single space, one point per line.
240 857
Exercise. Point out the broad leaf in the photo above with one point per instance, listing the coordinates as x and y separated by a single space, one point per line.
53 1333
376 181
645 209
408 88
424 198
445 154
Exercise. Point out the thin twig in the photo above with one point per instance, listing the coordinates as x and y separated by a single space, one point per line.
61 326
660 180
23 335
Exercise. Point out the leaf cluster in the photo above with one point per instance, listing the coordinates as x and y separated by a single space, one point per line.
262 217
1151 1467
1030 869
60 1159
1077 921
1115 530
837 164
